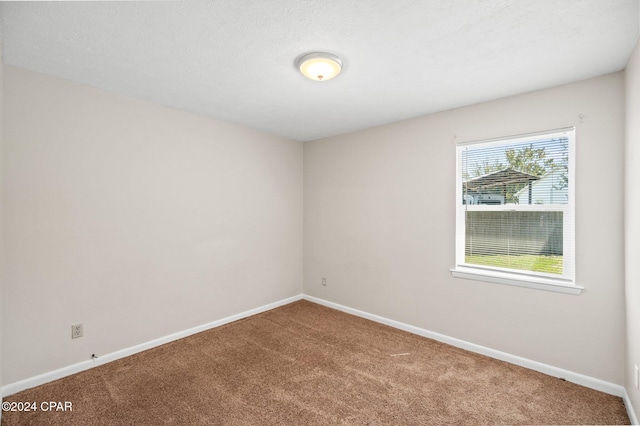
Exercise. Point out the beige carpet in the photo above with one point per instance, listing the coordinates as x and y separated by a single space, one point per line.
305 364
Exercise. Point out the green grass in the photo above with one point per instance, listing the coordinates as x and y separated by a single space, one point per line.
549 264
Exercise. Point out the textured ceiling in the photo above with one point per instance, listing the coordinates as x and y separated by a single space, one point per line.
234 60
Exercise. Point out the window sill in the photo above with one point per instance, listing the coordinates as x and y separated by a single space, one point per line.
537 283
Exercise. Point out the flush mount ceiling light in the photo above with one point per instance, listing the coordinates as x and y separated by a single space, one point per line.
319 66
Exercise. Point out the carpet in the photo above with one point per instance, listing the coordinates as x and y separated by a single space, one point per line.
306 364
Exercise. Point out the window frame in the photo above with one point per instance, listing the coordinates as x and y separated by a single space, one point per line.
564 283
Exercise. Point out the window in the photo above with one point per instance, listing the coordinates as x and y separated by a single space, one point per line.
515 211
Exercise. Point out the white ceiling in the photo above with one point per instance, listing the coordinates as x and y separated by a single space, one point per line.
234 60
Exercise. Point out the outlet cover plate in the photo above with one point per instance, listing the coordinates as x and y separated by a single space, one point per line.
76 331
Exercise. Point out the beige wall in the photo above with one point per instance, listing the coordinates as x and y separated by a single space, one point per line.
632 226
379 224
136 220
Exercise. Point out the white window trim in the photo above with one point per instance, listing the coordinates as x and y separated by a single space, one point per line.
517 280
547 282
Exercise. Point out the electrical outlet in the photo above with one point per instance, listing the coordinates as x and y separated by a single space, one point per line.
324 281
76 331
637 377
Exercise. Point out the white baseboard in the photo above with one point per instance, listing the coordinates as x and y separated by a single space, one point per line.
632 414
581 379
41 379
